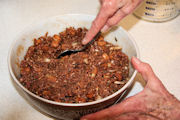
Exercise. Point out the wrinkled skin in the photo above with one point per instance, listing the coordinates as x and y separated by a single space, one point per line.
111 12
153 103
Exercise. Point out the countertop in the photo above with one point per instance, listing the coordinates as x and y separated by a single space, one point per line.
159 45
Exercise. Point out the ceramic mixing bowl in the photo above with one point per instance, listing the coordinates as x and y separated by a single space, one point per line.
55 25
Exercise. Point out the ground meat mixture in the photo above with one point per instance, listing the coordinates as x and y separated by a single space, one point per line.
99 71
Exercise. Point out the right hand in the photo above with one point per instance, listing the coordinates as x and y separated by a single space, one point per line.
111 12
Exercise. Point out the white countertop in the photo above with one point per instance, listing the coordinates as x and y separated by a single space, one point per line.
159 45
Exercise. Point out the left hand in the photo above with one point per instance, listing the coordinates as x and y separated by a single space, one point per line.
153 103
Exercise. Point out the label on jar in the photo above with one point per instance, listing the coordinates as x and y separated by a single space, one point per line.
158 10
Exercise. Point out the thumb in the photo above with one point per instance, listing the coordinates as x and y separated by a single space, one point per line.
144 69
148 75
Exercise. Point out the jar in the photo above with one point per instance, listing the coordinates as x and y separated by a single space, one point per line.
158 10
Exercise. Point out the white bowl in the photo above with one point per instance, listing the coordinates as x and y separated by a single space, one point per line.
53 26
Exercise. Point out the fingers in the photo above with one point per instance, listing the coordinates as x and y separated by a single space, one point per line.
129 105
97 24
107 10
102 115
118 16
111 12
114 20
127 8
148 75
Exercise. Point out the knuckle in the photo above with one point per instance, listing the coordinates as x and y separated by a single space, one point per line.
126 11
147 67
108 3
111 22
101 1
95 24
128 7
109 6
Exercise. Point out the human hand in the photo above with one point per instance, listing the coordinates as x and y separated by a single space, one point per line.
153 103
111 12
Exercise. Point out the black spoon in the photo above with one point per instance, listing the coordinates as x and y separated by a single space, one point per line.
69 52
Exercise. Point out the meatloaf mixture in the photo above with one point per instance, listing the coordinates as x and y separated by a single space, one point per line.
99 71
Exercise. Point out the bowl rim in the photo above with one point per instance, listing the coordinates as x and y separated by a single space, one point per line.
69 104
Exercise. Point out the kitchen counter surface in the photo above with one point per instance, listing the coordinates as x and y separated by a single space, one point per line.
159 45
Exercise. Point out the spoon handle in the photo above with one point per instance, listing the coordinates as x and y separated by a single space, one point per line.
69 52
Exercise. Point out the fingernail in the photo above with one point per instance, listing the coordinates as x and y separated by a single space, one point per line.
105 29
84 41
136 60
